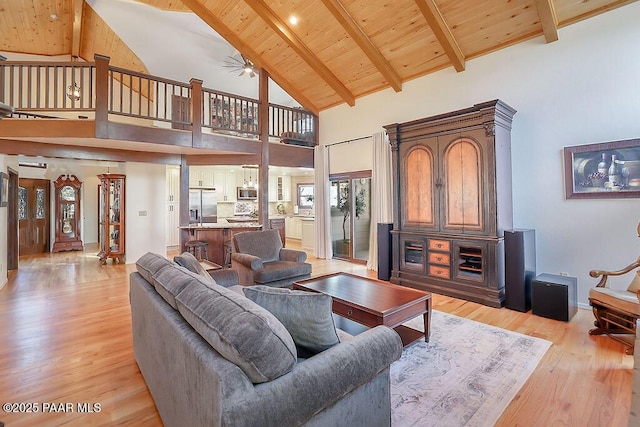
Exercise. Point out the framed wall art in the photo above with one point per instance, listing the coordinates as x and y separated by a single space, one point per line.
4 189
603 170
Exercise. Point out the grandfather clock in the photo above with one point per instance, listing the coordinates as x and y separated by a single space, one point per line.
67 212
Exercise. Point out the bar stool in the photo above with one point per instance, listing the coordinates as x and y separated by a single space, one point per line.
196 248
227 254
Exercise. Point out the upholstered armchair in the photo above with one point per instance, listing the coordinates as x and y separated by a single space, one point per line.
260 259
617 311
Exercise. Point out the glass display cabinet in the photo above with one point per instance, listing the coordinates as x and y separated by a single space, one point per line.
112 218
67 214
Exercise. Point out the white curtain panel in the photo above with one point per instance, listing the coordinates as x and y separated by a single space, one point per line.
381 193
322 245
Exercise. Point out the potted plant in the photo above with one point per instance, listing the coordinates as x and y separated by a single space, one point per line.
344 206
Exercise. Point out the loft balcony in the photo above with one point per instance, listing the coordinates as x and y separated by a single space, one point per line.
94 104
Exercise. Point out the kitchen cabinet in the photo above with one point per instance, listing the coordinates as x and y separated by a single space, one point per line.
308 231
173 206
293 227
283 188
452 201
173 184
225 185
201 176
273 188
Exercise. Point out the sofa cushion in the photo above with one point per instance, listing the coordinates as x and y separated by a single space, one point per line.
265 245
172 279
188 261
240 330
279 270
150 263
306 315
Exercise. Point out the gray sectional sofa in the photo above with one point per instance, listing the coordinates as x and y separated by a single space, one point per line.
212 357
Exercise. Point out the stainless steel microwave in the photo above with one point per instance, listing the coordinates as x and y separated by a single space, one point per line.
247 193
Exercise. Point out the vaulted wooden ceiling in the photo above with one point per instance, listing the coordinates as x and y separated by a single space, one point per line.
338 51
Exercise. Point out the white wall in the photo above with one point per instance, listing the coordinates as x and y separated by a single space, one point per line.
582 89
145 210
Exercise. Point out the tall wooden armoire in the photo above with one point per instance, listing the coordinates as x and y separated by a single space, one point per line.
452 202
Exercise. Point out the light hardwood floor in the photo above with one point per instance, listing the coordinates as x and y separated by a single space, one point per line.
66 339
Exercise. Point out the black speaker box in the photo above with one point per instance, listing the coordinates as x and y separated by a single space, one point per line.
384 251
554 297
519 268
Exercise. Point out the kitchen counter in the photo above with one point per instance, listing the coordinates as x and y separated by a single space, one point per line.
217 235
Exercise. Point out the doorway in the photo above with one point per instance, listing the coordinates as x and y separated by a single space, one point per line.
350 202
33 216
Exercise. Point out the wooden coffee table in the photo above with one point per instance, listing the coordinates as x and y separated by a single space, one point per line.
371 302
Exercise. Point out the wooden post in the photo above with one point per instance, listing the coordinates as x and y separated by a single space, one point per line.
102 96
183 214
196 112
263 120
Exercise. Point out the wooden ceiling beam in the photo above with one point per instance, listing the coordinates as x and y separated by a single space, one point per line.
283 30
548 19
76 28
352 28
442 32
208 16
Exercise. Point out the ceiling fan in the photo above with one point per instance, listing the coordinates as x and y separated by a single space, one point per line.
242 64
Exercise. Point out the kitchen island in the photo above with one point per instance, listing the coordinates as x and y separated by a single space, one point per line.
216 235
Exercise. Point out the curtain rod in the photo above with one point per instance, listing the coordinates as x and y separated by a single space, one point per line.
348 140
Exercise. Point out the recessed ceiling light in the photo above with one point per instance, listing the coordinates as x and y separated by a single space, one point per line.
53 16
293 20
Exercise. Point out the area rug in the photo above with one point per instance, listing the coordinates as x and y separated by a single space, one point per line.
466 375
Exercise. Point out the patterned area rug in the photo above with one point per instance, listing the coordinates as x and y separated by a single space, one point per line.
466 375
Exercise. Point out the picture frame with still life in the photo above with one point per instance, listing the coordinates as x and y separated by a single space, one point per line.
603 171
4 189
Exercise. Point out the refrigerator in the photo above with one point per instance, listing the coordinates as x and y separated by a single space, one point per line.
203 205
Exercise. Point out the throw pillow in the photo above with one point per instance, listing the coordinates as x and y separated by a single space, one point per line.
241 331
635 283
306 315
188 261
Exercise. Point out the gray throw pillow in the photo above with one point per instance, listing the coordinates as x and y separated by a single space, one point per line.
188 261
241 331
306 315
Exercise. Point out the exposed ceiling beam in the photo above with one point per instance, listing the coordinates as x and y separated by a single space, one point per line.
76 28
232 38
548 19
281 28
442 32
362 40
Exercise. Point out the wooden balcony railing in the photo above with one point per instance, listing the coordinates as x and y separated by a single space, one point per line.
48 89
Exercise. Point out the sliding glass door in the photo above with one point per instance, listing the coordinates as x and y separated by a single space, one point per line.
350 200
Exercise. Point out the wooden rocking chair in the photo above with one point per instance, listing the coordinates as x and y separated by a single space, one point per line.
616 311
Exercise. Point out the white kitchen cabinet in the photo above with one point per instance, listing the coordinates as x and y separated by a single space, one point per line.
201 176
293 227
173 184
173 222
283 189
225 184
308 234
273 188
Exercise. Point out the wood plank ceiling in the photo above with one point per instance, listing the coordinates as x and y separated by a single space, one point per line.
338 51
